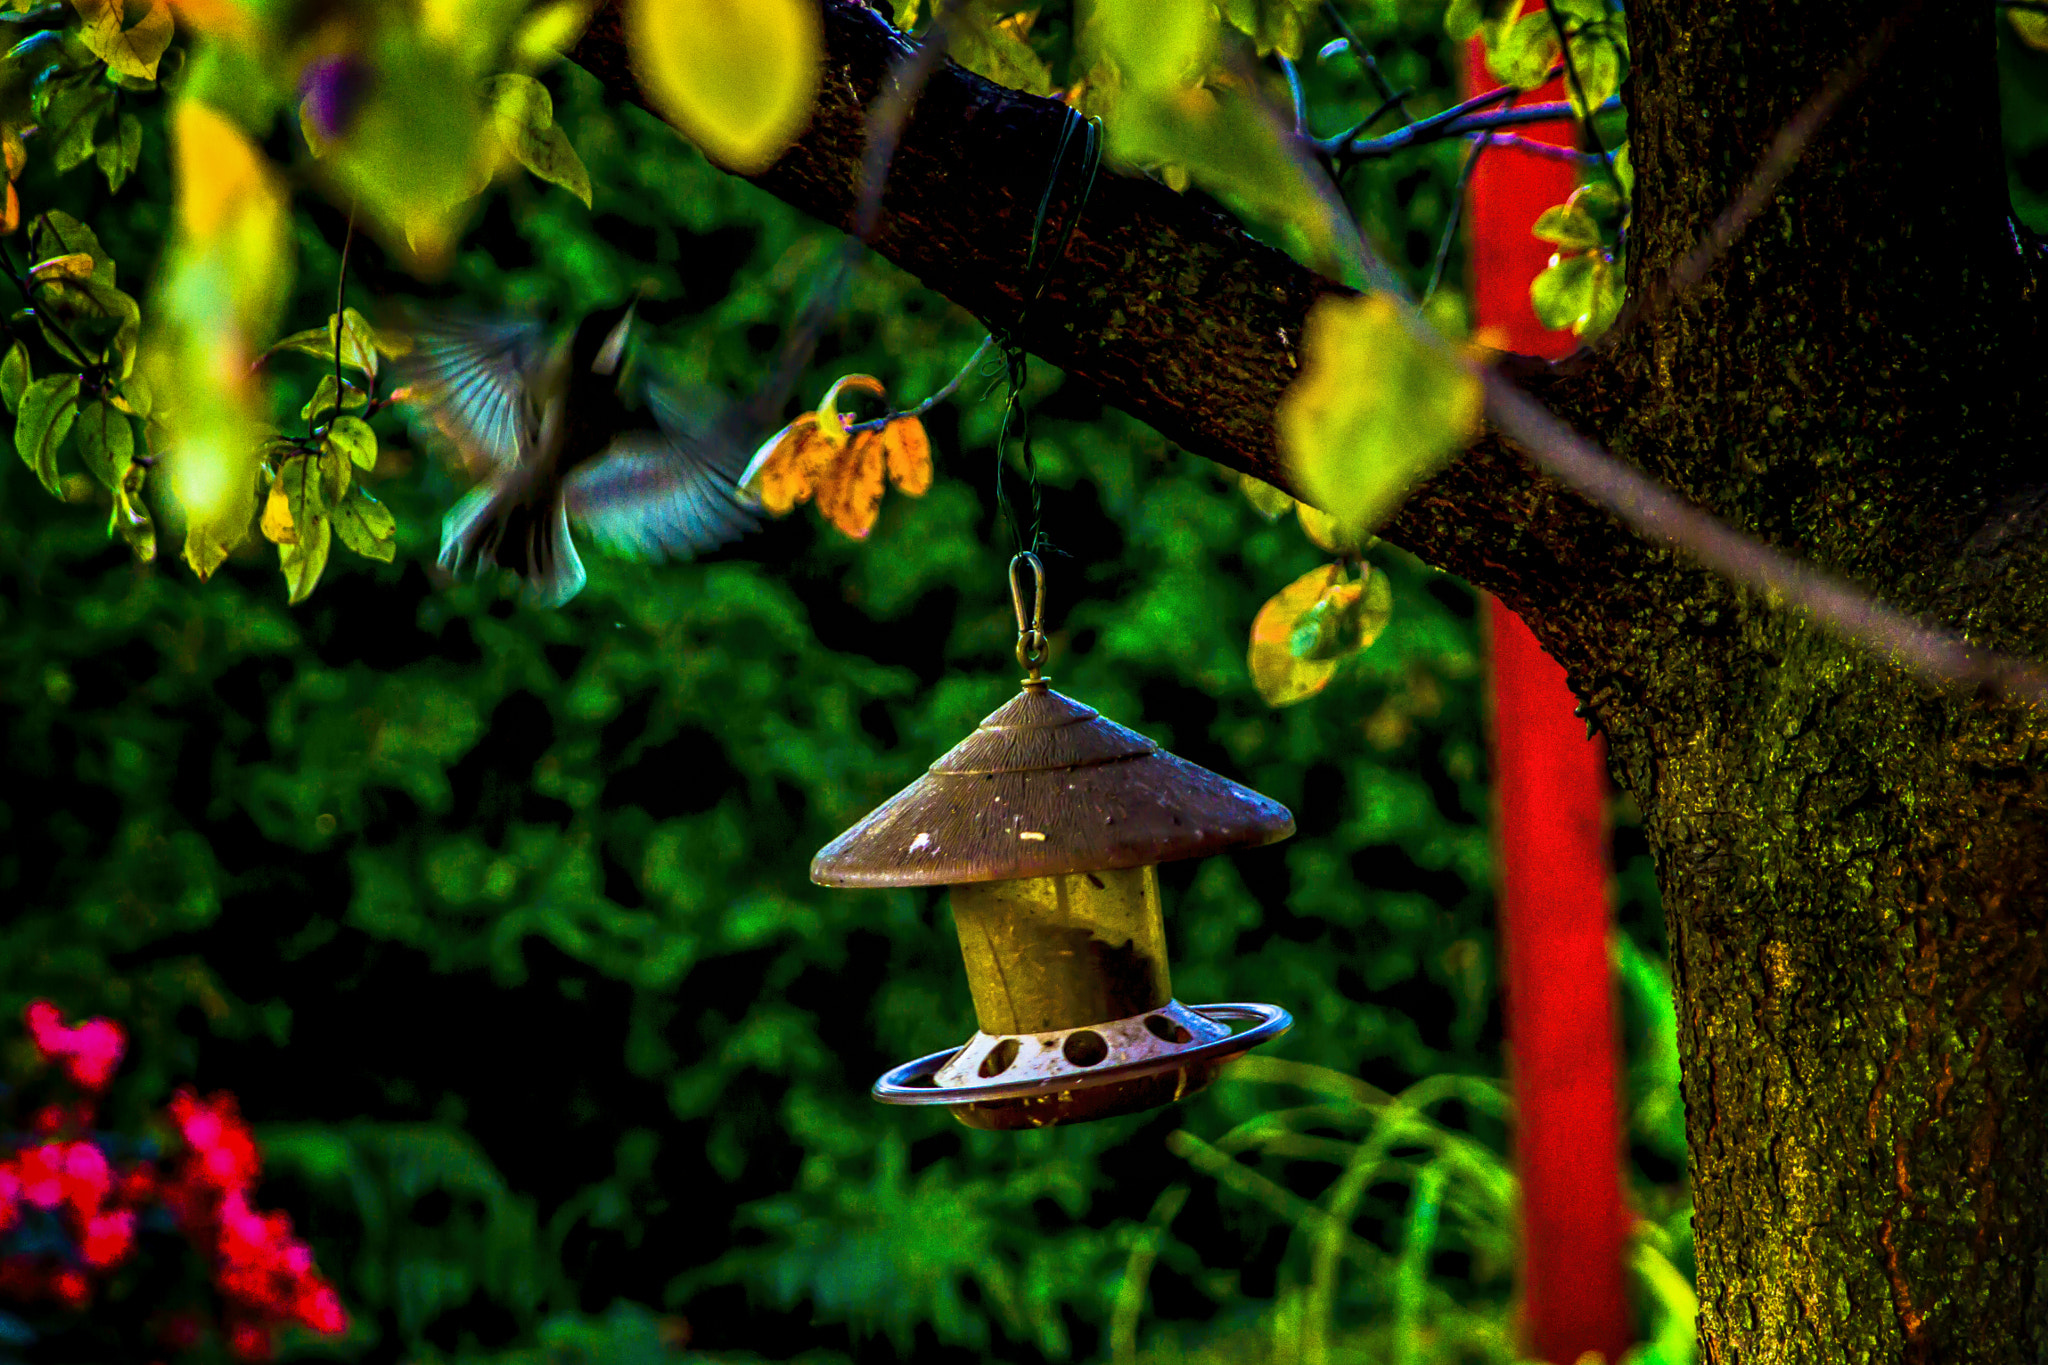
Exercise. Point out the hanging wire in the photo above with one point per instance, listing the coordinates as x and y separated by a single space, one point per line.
1015 364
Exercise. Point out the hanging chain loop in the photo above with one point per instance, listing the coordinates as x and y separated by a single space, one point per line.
1032 646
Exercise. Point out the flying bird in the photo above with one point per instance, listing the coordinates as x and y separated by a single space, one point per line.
545 421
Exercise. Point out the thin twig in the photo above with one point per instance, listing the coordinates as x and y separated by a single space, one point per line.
1294 92
1549 151
1938 656
885 125
1443 247
877 423
1571 74
1453 123
1784 153
1366 60
1337 146
348 240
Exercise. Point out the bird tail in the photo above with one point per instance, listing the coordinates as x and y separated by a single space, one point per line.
517 523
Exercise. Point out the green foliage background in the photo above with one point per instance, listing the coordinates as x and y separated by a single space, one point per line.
498 921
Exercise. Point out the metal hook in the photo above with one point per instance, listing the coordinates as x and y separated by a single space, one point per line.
1032 646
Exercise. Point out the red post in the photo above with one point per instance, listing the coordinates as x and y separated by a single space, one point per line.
1554 913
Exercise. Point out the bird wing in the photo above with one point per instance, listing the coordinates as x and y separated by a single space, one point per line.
661 494
475 378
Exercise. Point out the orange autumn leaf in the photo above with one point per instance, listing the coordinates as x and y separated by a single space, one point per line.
850 494
909 455
787 467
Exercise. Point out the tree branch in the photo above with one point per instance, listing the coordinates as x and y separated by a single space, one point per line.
1167 308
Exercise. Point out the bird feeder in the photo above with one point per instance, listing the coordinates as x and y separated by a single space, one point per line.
1048 824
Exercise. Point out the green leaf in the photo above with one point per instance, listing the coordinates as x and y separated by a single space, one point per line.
132 52
72 123
106 443
57 233
130 519
1563 294
1597 63
524 114
366 526
1375 408
305 556
360 343
14 376
1568 225
1268 501
337 472
1526 52
2031 27
75 265
352 437
322 401
48 408
1156 44
737 79
118 158
1606 299
994 45
1585 11
1623 171
1272 25
1282 676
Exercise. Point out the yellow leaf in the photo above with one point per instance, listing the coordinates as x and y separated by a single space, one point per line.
738 77
1374 409
74 265
909 454
1325 532
134 52
850 495
277 516
1282 677
1268 501
829 420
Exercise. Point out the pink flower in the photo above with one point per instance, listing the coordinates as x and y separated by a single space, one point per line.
97 1048
319 1308
214 1130
108 1239
42 1175
90 1053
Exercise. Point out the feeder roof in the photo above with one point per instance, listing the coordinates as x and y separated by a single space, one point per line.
1044 787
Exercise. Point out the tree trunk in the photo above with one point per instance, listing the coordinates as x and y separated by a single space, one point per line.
1851 863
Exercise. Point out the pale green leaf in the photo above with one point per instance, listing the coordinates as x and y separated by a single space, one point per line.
1282 676
14 376
106 443
1597 63
737 79
132 52
1568 225
323 399
366 526
1375 408
1156 44
48 408
1526 52
1562 295
304 557
352 437
995 46
1270 502
524 115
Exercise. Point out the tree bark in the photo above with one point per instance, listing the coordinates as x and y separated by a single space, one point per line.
1852 864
